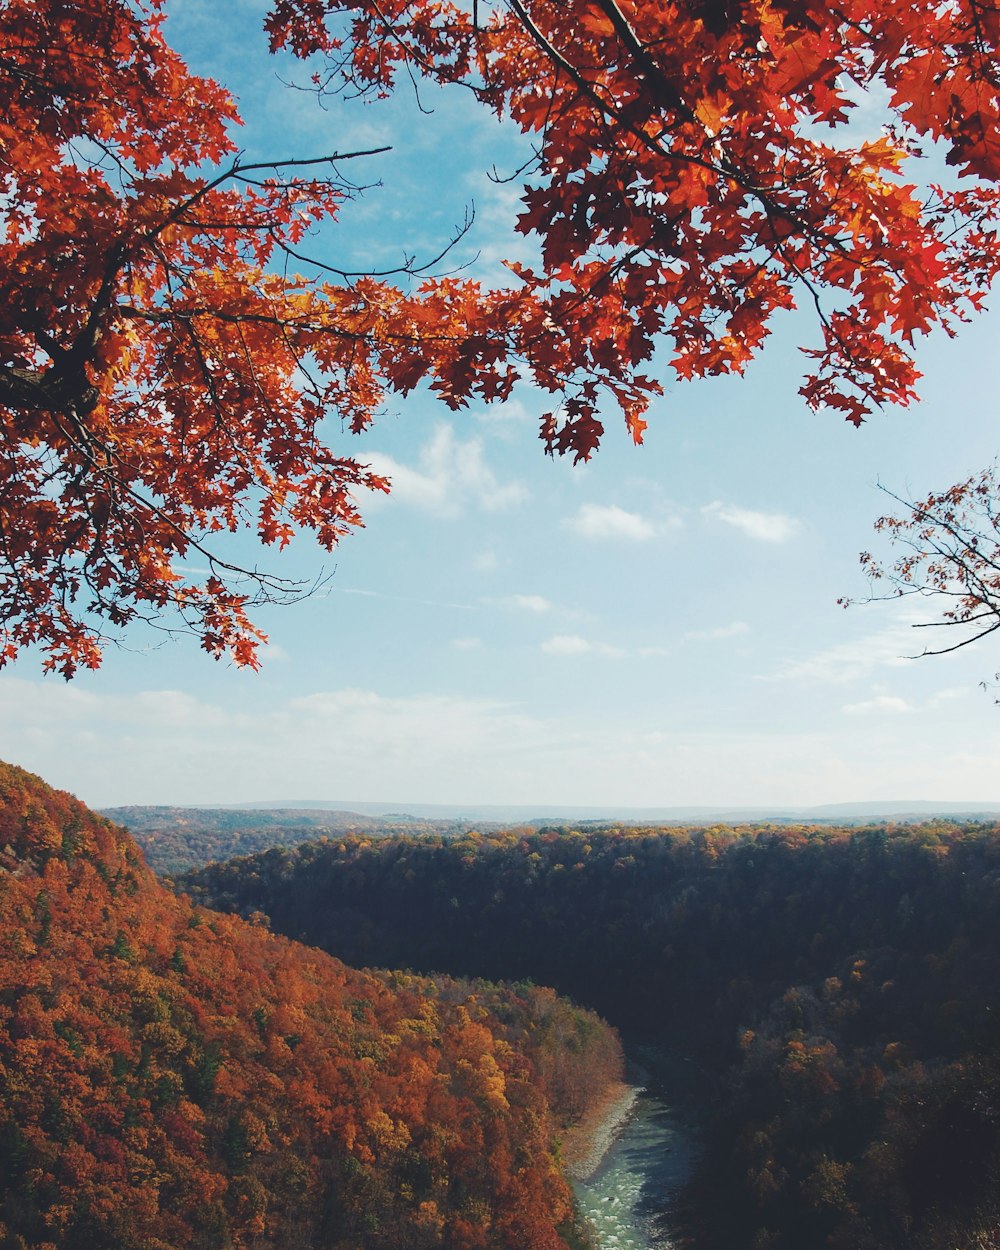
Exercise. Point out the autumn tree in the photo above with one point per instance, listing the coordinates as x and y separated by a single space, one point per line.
949 554
168 355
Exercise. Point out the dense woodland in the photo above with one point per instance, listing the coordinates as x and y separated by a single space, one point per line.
177 1077
838 986
171 1077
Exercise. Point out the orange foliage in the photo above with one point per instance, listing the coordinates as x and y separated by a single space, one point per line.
690 183
171 1076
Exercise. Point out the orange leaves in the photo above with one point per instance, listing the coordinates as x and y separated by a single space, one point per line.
798 64
636 427
711 112
666 140
166 372
946 97
595 22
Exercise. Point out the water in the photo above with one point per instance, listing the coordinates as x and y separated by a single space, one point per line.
627 1199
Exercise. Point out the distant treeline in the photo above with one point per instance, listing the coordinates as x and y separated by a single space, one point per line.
176 839
842 985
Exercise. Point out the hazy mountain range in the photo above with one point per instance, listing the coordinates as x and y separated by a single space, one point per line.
325 812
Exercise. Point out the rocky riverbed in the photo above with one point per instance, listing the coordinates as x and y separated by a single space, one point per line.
640 1154
587 1143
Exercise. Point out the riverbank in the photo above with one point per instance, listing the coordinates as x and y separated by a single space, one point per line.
588 1141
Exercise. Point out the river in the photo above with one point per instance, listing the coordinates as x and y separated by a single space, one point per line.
626 1201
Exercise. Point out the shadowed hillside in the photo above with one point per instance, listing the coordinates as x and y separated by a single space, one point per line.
838 986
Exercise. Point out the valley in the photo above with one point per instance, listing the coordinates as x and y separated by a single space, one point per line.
837 986
384 1039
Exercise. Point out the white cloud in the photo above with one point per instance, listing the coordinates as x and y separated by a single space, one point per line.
168 746
718 632
567 644
451 476
509 410
573 644
894 646
426 603
467 644
528 603
271 652
766 527
948 695
46 706
486 562
880 703
609 521
430 747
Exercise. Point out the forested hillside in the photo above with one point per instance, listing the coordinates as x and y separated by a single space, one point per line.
171 1077
839 984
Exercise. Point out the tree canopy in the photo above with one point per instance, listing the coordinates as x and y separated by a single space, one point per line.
168 351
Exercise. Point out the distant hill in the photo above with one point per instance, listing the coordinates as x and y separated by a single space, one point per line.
536 813
222 819
175 839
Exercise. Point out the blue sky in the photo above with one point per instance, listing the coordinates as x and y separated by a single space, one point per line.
659 627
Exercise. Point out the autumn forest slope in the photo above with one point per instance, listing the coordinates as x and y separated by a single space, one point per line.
174 1078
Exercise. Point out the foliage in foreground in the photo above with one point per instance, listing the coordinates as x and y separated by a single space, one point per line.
170 346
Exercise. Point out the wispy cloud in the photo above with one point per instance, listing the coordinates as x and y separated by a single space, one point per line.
165 746
892 647
603 521
426 603
948 695
880 704
451 476
467 644
718 632
510 411
573 644
272 651
528 603
765 527
486 562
